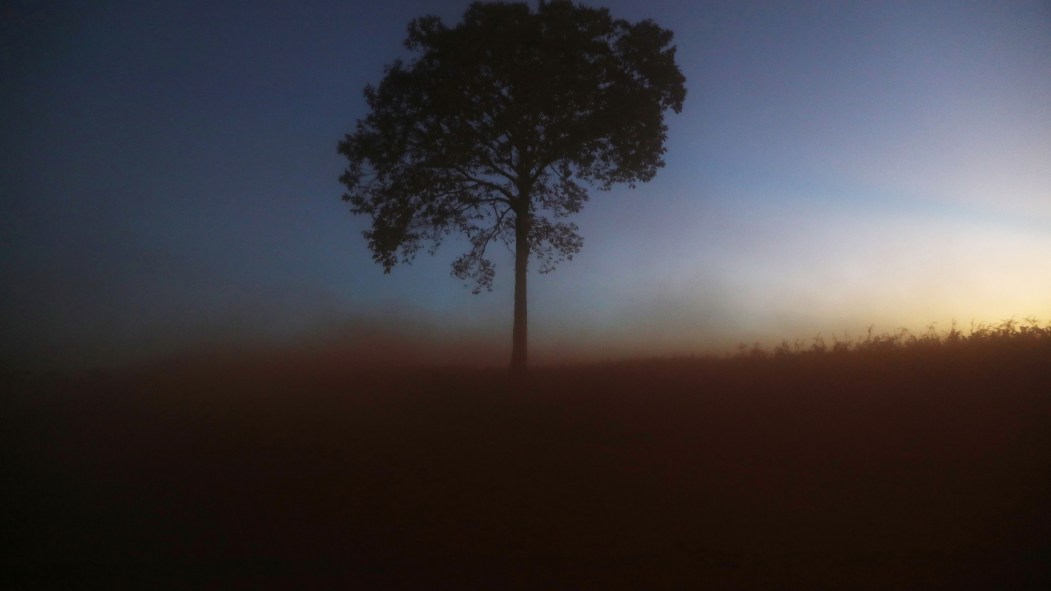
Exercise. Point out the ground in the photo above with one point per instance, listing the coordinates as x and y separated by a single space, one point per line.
806 472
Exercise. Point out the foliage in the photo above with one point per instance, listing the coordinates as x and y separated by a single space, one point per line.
1025 343
503 120
1005 336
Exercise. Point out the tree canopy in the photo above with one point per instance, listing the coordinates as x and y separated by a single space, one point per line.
496 126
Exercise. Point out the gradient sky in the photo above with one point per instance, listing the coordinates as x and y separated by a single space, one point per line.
169 181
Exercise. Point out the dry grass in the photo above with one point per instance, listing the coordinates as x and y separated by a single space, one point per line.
901 461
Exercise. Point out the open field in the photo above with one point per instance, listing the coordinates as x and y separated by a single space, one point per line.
897 464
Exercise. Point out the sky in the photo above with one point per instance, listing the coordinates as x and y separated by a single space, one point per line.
169 185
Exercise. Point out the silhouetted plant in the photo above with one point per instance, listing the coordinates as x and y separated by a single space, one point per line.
1006 336
495 127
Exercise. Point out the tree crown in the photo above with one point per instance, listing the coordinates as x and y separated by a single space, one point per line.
500 119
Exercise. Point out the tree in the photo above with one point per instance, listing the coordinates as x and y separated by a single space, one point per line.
495 126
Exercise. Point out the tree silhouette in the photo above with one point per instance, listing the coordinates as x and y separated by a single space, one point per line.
494 125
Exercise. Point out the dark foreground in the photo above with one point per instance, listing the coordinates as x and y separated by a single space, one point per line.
811 472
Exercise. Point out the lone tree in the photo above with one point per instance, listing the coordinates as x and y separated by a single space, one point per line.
494 125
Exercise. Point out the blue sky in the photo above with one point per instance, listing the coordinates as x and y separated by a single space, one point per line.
170 183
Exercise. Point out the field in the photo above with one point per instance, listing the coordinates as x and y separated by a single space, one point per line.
891 463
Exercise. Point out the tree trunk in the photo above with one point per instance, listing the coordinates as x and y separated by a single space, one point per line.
519 333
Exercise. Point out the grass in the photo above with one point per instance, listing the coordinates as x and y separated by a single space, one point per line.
898 461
